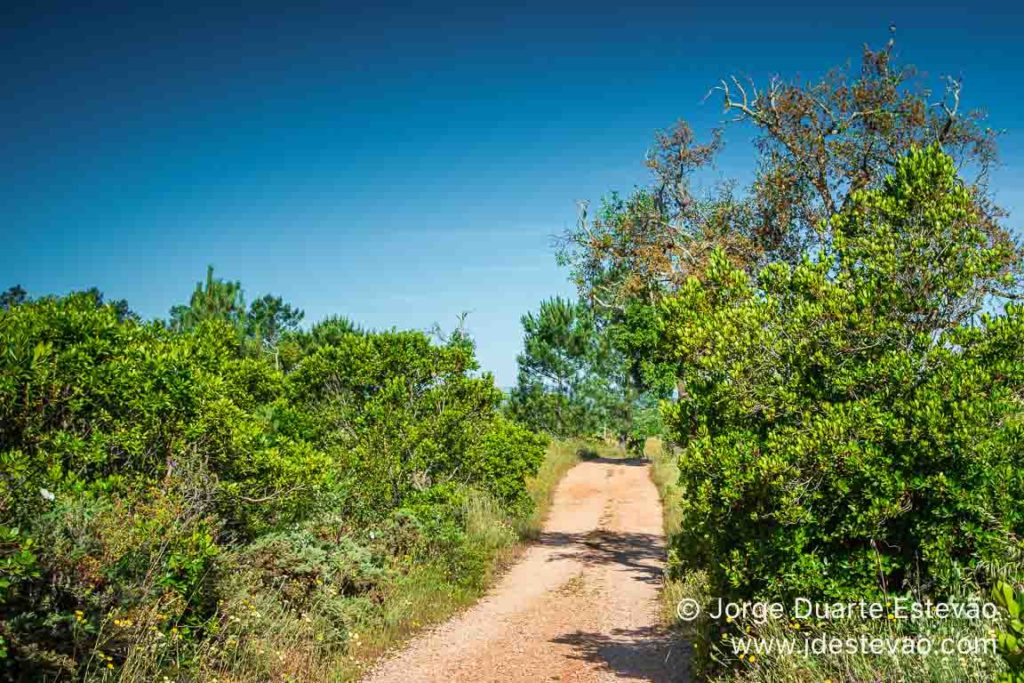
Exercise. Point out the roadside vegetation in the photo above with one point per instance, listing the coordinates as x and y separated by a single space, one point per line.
574 382
224 496
838 352
825 367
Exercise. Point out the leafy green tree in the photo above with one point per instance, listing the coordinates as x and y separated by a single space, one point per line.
559 344
572 379
262 326
12 297
269 318
852 423
120 306
212 299
818 142
559 369
331 330
833 338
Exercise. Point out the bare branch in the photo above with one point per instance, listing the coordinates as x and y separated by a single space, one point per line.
953 86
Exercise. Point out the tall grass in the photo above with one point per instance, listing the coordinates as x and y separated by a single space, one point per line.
665 475
260 639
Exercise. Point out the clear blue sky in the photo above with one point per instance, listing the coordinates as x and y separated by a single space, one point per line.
394 163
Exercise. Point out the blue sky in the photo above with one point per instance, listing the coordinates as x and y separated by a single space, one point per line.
395 163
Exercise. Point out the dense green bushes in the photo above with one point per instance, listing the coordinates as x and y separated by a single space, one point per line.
843 356
849 426
151 476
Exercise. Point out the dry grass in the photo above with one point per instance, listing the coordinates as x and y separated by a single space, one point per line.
274 645
665 475
259 639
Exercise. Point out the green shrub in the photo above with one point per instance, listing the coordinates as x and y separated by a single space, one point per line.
851 426
155 481
407 411
1011 640
504 458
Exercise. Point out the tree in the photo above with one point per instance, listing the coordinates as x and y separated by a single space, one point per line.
14 296
120 306
852 422
572 381
560 343
407 410
260 328
817 144
214 299
560 347
331 330
269 317
164 467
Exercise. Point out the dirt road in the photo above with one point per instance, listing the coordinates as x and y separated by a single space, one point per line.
580 605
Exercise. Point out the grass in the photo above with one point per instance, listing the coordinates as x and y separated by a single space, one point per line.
261 637
423 598
262 640
665 475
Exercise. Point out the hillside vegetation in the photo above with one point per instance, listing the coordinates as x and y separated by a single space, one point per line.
227 497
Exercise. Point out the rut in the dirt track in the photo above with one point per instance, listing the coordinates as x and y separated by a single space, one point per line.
582 604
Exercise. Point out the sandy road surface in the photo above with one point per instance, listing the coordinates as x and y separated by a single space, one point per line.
580 605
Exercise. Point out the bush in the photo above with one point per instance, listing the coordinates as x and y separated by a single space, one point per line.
504 458
849 426
153 478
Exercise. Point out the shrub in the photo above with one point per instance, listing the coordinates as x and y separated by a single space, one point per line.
849 426
502 460
155 479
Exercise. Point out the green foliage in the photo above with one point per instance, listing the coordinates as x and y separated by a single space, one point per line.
557 381
851 424
573 381
1011 640
269 317
212 299
261 328
144 466
504 458
17 561
405 410
12 297
838 364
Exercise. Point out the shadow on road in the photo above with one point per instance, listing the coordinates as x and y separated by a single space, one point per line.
627 461
638 553
647 653
644 654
